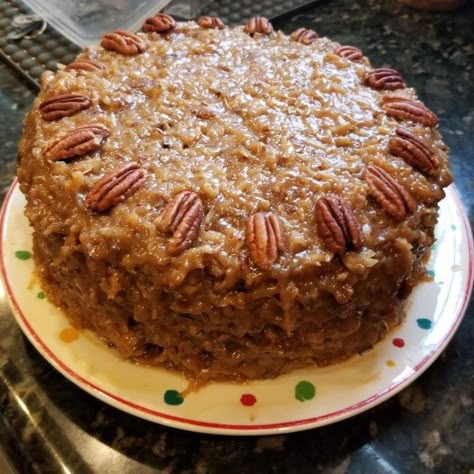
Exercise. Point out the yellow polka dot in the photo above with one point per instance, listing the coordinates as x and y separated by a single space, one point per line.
69 334
390 363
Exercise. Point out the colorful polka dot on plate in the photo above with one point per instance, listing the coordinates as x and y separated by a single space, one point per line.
398 342
173 397
424 323
69 334
248 400
304 390
23 254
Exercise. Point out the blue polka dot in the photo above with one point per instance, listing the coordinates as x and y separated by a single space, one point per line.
424 323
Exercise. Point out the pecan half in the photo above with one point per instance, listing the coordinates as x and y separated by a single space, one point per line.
211 22
384 78
123 42
392 196
415 151
63 105
402 108
258 24
304 36
338 226
349 52
160 23
85 64
182 216
264 237
76 142
115 187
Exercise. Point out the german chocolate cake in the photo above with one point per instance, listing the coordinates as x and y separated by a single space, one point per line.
230 203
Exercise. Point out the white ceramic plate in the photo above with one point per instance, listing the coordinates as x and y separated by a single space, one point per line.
300 400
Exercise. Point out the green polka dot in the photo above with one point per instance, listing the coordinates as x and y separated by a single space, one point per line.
304 391
173 397
431 273
41 295
433 247
453 227
23 254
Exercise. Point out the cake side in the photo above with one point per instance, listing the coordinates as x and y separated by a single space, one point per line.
295 248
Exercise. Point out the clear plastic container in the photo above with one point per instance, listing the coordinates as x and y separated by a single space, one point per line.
85 21
186 8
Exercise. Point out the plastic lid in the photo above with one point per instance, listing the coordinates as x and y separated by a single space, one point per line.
85 21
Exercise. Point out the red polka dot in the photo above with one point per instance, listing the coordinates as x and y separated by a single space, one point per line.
398 342
248 399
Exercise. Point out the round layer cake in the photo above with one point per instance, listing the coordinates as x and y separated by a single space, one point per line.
230 203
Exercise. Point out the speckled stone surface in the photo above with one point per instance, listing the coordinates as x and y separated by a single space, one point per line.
47 424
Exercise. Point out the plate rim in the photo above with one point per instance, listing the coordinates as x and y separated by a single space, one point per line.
201 426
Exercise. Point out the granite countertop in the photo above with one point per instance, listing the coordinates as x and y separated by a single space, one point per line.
47 424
